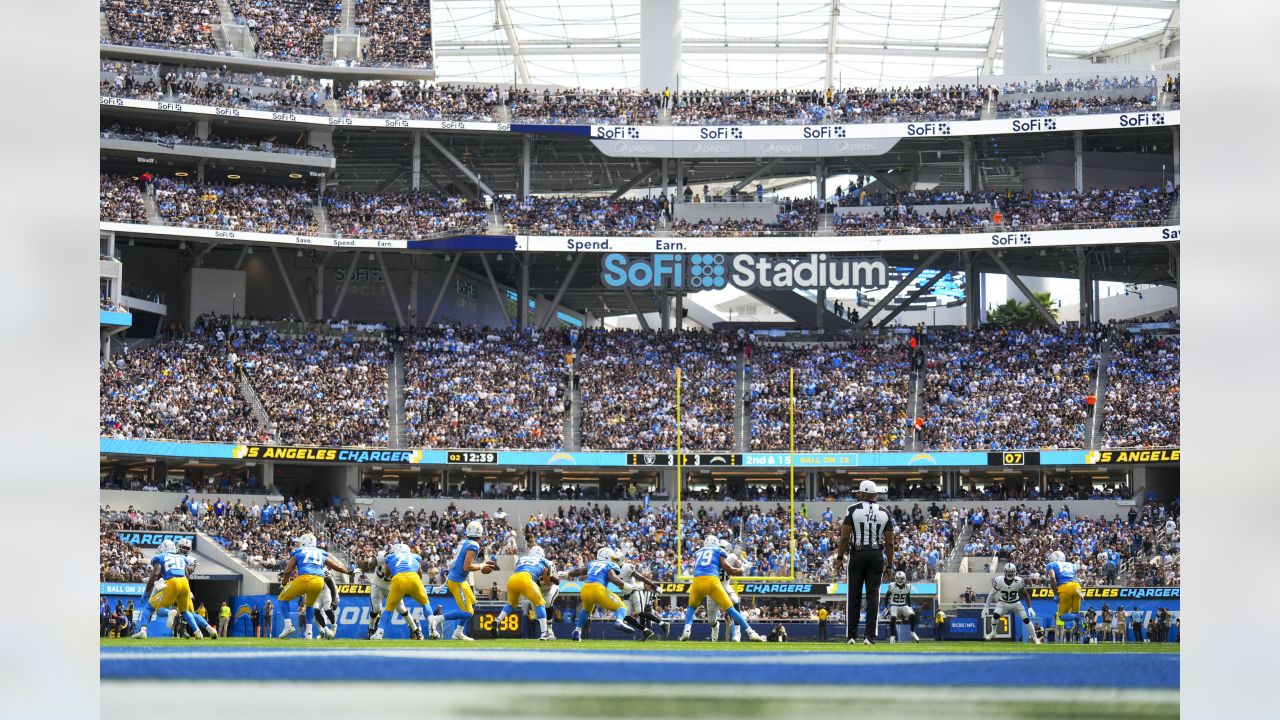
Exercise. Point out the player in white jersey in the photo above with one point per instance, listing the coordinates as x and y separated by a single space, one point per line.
898 603
379 588
1010 597
635 597
738 560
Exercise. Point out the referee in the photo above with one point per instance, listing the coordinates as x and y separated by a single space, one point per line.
869 529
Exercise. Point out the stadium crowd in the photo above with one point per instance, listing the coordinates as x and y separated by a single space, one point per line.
120 200
851 105
170 139
411 215
627 381
1143 391
434 536
220 87
238 206
396 32
999 388
328 390
289 30
184 388
470 387
848 395
583 215
420 101
623 107
179 24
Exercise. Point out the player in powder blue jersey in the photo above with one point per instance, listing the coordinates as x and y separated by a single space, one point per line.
466 560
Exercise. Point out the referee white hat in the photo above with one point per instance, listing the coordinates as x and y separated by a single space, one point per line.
869 486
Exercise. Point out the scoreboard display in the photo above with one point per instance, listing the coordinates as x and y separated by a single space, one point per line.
472 457
1013 458
485 620
669 459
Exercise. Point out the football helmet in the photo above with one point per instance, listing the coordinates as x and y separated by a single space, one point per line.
184 545
475 529
306 540
536 551
900 577
167 546
604 553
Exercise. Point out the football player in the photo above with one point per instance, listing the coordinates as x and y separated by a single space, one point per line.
595 593
898 601
738 565
405 568
379 589
636 599
525 583
1062 578
466 560
708 562
309 562
1010 597
173 567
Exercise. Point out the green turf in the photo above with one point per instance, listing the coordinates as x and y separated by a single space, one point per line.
948 647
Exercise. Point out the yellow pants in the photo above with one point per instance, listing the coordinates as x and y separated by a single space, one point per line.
462 594
596 595
521 585
309 586
405 584
708 586
176 592
1068 598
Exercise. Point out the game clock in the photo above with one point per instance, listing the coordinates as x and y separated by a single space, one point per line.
508 628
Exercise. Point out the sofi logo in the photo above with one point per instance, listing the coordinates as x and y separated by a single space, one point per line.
711 271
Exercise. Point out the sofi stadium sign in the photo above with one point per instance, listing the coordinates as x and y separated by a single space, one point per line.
712 271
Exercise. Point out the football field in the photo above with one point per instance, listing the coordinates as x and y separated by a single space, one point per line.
242 678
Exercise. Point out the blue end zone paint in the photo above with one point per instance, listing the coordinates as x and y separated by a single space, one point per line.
1120 671
467 242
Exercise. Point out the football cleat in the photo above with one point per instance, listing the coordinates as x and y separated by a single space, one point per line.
415 634
868 641
197 634
377 635
288 630
892 640
434 634
851 641
213 634
369 633
688 633
648 634
459 635
548 635
141 634
754 636
624 627
915 637
577 635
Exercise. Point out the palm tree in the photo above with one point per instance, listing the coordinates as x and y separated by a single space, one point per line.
1022 314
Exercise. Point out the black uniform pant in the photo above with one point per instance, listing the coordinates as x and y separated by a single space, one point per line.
865 570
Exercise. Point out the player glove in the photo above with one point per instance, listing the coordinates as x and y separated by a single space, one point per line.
1031 612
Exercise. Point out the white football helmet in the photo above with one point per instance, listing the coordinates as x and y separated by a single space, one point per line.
726 546
399 548
1057 556
536 551
184 545
604 553
1010 570
167 546
711 541
900 577
475 529
306 540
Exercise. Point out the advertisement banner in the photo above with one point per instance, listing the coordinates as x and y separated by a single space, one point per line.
327 455
862 244
153 538
714 271
1166 456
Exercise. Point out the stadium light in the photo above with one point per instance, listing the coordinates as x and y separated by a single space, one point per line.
233 176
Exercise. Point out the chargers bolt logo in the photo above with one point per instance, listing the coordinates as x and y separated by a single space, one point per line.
706 271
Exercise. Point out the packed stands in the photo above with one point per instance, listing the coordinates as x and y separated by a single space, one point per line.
328 390
469 387
177 24
289 30
172 140
1143 391
848 395
238 206
582 215
1000 388
434 536
417 101
760 107
624 107
396 32
120 200
184 388
627 380
412 215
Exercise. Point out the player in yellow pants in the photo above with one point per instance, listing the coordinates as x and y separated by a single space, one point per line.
1062 576
309 562
595 593
708 562
405 567
524 584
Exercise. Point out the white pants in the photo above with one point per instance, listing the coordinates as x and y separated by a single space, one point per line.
635 602
713 610
378 598
1011 609
902 613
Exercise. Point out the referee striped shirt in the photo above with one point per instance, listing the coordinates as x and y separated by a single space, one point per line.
868 522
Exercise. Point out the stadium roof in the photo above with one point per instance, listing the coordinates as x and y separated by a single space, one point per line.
770 44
